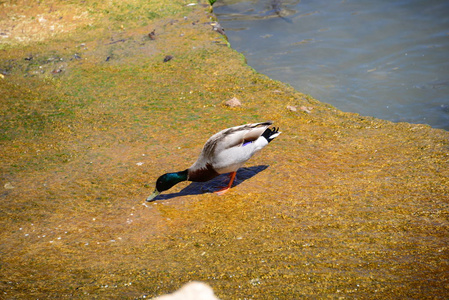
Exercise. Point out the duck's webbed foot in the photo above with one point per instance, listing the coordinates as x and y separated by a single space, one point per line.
225 189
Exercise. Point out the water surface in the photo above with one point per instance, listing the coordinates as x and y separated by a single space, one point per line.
387 59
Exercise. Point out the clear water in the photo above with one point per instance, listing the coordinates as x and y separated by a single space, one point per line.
387 59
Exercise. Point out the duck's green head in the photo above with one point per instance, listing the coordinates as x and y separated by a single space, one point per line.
166 181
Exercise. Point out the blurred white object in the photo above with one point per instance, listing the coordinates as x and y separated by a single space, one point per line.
194 290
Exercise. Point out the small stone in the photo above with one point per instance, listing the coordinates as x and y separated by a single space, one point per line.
291 108
57 71
168 58
217 27
152 34
8 186
234 102
306 109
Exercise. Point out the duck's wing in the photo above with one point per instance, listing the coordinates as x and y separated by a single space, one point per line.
226 139
233 137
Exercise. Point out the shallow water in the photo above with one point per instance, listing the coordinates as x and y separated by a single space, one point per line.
387 59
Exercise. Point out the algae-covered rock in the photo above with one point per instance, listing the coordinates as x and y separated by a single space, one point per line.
342 206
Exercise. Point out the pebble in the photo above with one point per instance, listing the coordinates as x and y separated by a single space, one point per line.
234 102
168 58
8 186
306 109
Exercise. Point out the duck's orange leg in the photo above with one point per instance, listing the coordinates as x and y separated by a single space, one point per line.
224 190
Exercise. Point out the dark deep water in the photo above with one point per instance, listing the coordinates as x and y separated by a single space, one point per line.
387 59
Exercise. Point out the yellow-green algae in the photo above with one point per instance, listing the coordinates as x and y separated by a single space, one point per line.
349 207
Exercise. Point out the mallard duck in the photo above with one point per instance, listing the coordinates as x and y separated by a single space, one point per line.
224 152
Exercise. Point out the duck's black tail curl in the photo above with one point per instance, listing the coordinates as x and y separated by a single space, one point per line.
270 134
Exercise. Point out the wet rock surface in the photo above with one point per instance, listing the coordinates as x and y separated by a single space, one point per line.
339 206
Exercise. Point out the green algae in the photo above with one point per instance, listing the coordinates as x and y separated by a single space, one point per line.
349 206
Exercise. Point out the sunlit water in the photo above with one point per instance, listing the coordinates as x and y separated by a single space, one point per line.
387 59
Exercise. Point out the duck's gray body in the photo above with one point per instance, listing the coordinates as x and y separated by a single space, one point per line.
227 150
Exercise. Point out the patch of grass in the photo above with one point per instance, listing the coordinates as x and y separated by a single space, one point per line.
30 108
